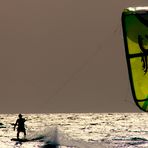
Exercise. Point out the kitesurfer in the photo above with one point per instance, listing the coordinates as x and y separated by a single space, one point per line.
20 123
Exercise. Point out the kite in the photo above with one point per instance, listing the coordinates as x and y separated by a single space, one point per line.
135 33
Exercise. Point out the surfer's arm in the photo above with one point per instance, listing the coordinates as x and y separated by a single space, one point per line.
15 124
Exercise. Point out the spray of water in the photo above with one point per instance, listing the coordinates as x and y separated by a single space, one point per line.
52 137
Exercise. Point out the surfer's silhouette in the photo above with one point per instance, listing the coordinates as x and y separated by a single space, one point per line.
20 123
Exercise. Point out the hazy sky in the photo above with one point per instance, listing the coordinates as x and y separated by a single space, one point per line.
63 56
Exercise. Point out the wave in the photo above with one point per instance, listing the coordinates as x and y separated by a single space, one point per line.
52 137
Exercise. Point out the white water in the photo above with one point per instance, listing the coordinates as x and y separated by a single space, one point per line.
78 130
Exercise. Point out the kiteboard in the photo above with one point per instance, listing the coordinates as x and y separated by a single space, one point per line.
19 140
135 33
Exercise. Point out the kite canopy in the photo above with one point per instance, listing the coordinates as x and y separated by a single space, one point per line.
135 31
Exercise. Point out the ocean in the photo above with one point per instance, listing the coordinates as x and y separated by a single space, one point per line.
71 130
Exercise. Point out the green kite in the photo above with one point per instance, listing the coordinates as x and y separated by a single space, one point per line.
135 32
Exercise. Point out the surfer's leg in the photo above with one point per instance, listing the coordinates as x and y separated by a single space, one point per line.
18 134
24 133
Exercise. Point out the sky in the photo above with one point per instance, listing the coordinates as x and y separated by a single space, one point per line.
64 56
